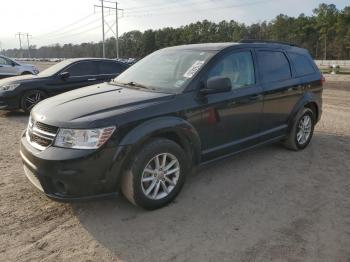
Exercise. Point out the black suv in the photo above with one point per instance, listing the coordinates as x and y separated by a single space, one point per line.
24 92
179 107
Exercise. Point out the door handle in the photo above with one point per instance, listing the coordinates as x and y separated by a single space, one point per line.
296 88
91 79
255 97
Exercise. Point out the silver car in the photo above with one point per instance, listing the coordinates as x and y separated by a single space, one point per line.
10 67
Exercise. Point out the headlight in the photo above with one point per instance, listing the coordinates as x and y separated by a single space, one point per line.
9 87
83 138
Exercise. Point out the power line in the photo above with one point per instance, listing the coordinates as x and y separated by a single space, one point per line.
152 7
79 33
57 35
69 25
199 10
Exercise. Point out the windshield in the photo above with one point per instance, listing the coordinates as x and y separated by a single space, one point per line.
54 69
167 70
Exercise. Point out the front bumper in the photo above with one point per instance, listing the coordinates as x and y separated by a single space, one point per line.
8 102
70 174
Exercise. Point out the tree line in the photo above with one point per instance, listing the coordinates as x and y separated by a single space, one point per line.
326 34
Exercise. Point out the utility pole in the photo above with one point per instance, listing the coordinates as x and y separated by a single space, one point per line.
28 35
103 32
325 46
116 29
102 6
20 42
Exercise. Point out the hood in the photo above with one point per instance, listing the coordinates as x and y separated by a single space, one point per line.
92 106
18 79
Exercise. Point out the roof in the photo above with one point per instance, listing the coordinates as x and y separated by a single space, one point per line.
89 59
222 46
205 46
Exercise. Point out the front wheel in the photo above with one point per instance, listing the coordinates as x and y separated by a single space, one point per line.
30 98
302 130
156 175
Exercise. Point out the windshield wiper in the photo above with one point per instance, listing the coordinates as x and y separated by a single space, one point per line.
130 84
135 84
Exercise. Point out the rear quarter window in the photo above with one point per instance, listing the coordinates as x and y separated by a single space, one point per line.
303 65
274 66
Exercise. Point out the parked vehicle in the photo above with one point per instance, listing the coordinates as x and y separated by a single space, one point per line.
24 92
179 107
10 67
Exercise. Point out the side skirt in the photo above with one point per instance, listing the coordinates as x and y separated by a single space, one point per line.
269 141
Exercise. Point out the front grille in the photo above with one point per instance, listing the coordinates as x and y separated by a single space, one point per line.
39 140
40 135
46 128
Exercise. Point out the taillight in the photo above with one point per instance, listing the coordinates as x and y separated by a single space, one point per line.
323 80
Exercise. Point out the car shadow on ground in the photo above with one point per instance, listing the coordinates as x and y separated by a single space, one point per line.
17 116
263 202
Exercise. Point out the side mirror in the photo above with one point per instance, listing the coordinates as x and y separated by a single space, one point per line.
64 75
13 63
217 84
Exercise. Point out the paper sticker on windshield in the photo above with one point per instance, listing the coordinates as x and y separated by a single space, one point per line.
193 69
179 83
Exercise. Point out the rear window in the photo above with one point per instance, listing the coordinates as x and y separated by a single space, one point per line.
274 66
110 68
302 64
87 68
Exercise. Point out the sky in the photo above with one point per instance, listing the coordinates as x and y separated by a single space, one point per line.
75 21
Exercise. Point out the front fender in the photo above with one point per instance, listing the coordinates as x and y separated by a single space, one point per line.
163 125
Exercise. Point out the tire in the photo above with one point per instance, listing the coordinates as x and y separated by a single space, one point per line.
295 141
30 98
136 191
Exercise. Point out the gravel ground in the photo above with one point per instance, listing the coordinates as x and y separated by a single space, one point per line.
267 204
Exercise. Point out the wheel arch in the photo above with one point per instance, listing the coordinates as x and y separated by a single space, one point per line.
307 100
26 73
173 128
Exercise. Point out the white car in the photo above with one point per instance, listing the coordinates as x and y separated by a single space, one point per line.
10 67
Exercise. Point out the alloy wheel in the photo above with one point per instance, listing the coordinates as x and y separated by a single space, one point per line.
304 129
31 100
160 176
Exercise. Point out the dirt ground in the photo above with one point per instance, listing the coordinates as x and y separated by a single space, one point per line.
267 204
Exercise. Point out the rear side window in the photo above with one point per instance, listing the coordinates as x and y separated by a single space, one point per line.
302 64
274 66
109 68
87 68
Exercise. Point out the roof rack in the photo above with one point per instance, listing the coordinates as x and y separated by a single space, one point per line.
247 41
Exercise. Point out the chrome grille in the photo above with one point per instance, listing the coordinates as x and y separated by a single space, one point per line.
46 128
40 135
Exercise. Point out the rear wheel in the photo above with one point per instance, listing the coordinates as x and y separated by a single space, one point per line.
30 98
302 130
156 175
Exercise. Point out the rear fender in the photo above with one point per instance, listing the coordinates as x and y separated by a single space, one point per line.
307 98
